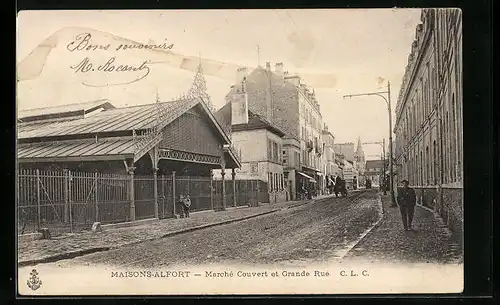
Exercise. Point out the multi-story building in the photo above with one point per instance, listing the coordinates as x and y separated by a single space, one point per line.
329 152
284 101
428 122
259 142
345 149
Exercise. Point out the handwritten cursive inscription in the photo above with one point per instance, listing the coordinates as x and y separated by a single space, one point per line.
86 66
83 42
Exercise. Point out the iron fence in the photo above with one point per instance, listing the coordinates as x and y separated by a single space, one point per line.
66 201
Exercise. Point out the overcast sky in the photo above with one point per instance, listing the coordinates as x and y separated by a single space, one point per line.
336 51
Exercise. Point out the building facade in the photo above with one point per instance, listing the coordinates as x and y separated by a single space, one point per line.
259 142
428 123
374 171
329 153
288 104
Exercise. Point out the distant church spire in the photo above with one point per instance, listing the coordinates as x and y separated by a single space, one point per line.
359 148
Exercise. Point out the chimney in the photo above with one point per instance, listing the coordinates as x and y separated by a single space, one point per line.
240 74
279 69
293 79
239 104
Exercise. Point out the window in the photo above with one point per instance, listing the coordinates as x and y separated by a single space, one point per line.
275 152
254 167
269 150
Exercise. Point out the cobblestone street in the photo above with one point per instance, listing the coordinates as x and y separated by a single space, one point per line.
70 243
314 232
294 233
429 241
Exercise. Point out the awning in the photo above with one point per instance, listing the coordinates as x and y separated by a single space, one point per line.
311 179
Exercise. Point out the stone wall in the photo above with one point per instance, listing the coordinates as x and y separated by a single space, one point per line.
451 208
447 202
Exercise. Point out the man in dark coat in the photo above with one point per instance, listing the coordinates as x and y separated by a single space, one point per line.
406 202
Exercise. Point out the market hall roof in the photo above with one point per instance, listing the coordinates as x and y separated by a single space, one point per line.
76 150
112 120
112 132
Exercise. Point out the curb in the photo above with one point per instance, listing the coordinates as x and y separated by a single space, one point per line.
70 255
426 208
58 257
365 234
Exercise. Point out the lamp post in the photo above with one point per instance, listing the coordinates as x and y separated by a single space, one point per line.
388 102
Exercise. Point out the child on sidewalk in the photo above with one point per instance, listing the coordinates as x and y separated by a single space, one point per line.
186 204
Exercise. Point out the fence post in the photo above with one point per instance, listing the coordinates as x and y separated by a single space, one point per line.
69 201
155 187
96 199
258 192
66 210
132 194
163 196
38 198
173 191
223 207
233 176
211 189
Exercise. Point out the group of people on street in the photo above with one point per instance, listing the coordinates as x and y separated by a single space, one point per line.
337 186
406 200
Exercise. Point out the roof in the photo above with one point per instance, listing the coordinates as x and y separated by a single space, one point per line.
374 164
62 111
95 137
111 120
223 117
78 149
256 121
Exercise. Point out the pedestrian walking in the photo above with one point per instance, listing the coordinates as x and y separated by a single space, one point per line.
406 202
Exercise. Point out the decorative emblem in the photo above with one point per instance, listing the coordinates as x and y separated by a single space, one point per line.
34 282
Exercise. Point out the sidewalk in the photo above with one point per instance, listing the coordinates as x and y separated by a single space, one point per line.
72 245
430 241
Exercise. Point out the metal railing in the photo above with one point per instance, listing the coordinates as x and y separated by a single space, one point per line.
65 201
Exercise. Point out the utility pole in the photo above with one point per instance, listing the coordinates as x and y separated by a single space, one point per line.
391 172
388 102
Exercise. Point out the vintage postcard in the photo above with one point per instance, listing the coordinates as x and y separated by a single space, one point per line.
209 152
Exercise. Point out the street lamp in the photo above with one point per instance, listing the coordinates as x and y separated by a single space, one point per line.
388 102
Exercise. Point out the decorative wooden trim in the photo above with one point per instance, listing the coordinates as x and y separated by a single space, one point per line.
171 154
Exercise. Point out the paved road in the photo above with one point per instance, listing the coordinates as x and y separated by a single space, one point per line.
310 233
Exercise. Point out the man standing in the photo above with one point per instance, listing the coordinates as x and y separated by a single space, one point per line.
406 202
